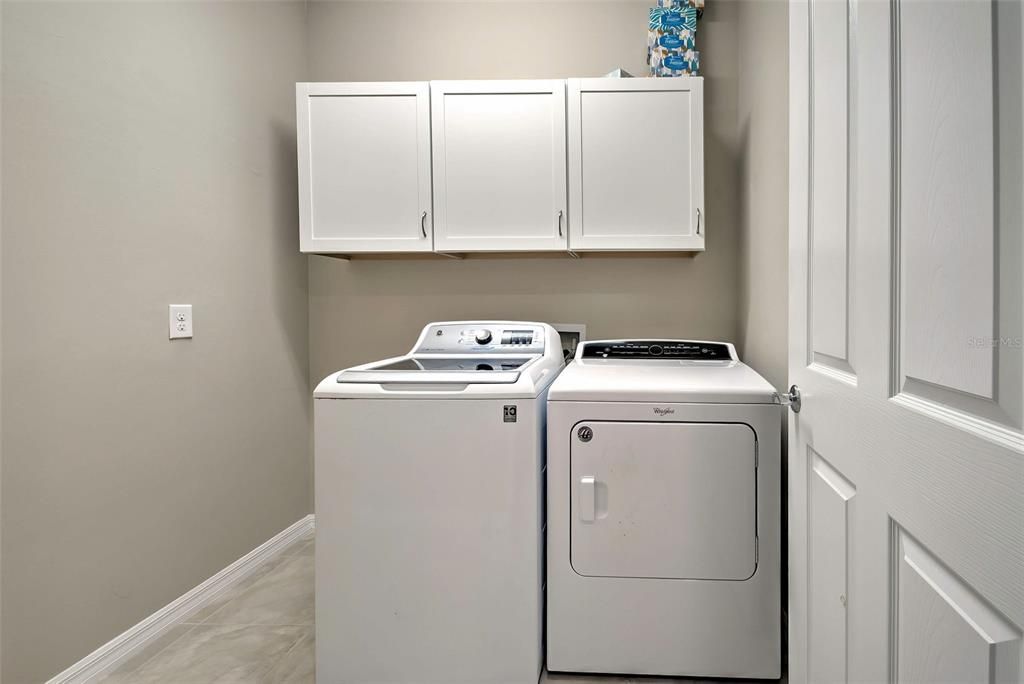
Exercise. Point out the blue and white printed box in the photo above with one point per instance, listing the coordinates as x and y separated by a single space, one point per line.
679 63
663 52
671 35
684 39
677 4
670 19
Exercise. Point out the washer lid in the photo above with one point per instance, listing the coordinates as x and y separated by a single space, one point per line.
426 369
631 373
458 360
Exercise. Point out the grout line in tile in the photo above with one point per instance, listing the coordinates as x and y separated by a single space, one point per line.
274 663
294 646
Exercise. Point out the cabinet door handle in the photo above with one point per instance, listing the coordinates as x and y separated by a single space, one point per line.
698 221
423 224
559 223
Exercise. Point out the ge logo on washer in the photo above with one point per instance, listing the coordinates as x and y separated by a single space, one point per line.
585 434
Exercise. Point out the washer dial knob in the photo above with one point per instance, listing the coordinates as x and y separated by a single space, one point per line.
483 336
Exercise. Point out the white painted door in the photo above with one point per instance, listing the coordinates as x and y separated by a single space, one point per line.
364 167
636 164
499 165
906 462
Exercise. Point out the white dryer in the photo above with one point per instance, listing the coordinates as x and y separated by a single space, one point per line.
663 513
429 509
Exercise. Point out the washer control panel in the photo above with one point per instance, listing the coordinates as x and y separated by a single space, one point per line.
657 349
470 338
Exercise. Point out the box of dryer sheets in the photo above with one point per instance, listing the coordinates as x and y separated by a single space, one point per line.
671 39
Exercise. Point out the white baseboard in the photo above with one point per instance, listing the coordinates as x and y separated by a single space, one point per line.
108 656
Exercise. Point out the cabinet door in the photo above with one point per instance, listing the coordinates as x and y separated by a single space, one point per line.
499 165
636 164
364 167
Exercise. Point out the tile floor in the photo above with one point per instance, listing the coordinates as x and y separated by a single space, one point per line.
258 632
261 632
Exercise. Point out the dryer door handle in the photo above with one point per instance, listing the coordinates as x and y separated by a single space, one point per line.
588 498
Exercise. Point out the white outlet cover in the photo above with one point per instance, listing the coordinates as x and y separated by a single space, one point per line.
179 321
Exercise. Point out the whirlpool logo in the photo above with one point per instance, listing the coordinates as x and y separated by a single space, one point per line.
663 411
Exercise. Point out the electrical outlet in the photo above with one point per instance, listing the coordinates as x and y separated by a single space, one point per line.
180 321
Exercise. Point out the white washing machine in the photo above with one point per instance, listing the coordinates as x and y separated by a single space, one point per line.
663 513
429 509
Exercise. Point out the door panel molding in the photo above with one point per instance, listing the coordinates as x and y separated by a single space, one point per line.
837 369
954 357
829 136
829 500
984 419
843 488
941 628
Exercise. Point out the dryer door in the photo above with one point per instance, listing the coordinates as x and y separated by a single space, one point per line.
663 500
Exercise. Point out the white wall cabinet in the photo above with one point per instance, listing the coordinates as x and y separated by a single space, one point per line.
598 164
499 165
364 167
636 164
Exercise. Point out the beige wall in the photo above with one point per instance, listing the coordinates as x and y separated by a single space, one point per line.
148 159
1 350
763 45
366 309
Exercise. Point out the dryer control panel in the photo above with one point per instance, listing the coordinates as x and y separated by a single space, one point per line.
690 350
479 338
